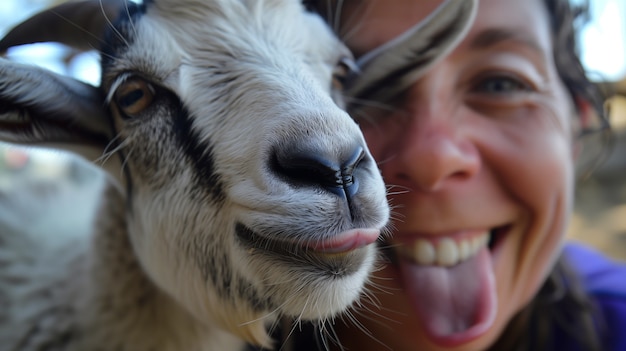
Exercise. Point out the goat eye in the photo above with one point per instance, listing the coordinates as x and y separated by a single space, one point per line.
344 68
134 96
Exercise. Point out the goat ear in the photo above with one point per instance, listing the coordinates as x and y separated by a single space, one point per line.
393 67
41 107
78 24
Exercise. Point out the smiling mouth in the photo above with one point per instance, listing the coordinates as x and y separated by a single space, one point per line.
344 254
448 252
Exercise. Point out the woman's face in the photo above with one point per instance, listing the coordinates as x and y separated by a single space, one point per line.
478 156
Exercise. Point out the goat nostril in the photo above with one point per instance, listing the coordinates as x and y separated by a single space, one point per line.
310 170
307 168
349 182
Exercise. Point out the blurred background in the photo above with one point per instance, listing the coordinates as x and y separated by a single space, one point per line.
600 215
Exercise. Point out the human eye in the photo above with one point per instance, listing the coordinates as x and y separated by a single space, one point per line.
494 90
500 83
499 88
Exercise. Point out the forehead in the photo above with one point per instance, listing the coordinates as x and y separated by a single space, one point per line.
518 20
367 24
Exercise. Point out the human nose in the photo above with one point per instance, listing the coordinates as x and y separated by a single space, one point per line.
432 153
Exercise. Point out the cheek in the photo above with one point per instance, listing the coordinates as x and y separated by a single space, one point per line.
546 188
533 161
529 146
541 165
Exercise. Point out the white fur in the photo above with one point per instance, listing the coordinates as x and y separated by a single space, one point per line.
144 277
168 261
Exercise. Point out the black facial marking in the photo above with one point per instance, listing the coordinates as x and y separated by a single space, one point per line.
199 154
216 269
258 301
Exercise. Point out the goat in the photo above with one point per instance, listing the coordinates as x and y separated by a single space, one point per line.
237 191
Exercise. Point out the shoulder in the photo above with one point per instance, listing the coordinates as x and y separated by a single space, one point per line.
604 280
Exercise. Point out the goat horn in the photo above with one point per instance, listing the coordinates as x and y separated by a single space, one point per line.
77 24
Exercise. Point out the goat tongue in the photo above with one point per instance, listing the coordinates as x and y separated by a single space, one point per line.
455 304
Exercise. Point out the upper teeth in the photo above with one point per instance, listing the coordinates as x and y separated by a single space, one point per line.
444 252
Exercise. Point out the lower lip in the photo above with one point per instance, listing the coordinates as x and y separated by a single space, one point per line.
464 338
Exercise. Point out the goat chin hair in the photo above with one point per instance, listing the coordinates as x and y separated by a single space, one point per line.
234 190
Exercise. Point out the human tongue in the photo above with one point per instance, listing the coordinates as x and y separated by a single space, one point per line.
455 304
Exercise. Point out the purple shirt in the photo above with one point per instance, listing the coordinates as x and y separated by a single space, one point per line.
605 281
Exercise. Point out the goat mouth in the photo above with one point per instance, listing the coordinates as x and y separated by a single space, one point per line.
340 255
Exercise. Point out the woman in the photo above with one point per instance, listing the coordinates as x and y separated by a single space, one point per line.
480 155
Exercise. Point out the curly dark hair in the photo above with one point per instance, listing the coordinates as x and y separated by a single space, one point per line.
566 22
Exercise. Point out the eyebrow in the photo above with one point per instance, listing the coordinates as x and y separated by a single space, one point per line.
494 36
